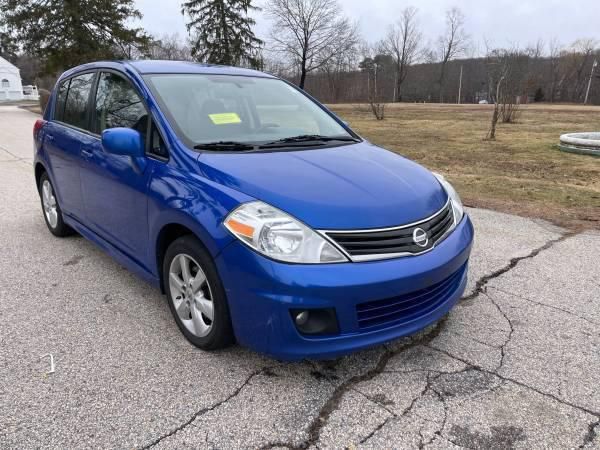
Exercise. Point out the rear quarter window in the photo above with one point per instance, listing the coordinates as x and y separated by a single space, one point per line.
76 104
61 98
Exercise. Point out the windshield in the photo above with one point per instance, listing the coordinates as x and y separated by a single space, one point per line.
212 108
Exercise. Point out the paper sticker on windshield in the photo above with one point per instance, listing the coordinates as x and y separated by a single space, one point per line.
225 118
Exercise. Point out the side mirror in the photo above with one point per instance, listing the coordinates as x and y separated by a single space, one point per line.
123 141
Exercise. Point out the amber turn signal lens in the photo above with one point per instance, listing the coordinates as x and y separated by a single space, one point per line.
240 228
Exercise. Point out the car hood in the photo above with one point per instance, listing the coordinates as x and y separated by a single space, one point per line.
345 187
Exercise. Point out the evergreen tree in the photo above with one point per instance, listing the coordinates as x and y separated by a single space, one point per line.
65 33
222 32
8 46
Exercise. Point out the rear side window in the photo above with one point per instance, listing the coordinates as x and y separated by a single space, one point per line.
77 100
61 98
118 105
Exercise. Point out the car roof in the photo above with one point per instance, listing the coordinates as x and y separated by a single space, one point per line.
160 66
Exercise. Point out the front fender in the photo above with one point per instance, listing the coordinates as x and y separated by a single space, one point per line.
188 199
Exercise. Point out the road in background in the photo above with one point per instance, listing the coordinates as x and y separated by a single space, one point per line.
515 364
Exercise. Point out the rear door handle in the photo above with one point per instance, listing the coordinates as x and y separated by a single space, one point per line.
50 137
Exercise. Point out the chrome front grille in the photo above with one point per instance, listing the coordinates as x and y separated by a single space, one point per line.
367 245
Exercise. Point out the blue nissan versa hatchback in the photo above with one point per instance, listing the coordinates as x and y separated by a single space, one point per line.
263 217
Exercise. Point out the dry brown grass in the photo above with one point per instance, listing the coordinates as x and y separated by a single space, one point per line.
522 172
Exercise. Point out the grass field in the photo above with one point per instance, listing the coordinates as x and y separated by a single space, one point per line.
522 172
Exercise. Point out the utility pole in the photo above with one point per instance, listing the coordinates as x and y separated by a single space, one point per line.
460 85
587 92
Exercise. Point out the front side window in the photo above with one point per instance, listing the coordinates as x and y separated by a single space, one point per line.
118 105
157 144
5 83
207 108
75 111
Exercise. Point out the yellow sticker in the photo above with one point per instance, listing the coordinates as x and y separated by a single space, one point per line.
225 118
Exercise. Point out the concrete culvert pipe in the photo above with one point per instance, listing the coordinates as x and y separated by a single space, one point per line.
582 143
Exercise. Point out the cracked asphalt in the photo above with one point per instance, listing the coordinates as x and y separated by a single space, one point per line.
515 365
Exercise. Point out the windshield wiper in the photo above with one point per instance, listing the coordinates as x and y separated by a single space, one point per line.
305 138
225 145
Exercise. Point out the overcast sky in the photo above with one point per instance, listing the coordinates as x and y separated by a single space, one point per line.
501 22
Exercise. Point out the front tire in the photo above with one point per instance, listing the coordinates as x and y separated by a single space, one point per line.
52 212
195 294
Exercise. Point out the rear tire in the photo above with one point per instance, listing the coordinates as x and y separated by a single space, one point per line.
51 209
195 294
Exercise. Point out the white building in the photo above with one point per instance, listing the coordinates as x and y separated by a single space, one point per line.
10 81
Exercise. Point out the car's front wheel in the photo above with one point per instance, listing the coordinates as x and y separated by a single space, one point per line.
195 294
52 212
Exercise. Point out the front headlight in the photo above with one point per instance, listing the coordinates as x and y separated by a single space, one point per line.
279 236
457 206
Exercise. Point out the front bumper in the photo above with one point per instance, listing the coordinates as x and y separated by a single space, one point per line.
261 293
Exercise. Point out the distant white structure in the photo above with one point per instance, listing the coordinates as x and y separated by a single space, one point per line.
10 81
30 92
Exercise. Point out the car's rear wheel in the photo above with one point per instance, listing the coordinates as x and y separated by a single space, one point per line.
52 212
195 294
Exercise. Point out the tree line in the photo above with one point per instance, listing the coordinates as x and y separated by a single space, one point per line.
312 43
533 75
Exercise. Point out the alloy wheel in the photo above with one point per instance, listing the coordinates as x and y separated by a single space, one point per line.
49 203
191 295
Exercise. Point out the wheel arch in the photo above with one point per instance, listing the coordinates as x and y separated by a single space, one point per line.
39 170
166 236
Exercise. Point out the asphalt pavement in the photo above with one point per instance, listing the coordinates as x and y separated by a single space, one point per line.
516 364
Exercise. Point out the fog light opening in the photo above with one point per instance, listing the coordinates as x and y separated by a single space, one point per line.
315 321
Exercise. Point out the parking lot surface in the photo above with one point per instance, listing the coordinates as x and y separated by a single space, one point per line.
516 364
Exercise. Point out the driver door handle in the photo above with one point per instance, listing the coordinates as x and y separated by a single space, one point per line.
86 152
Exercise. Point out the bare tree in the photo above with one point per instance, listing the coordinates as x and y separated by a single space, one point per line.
170 47
310 32
498 69
507 71
402 42
580 60
30 66
337 69
373 65
536 50
555 50
530 78
428 55
452 43
276 67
